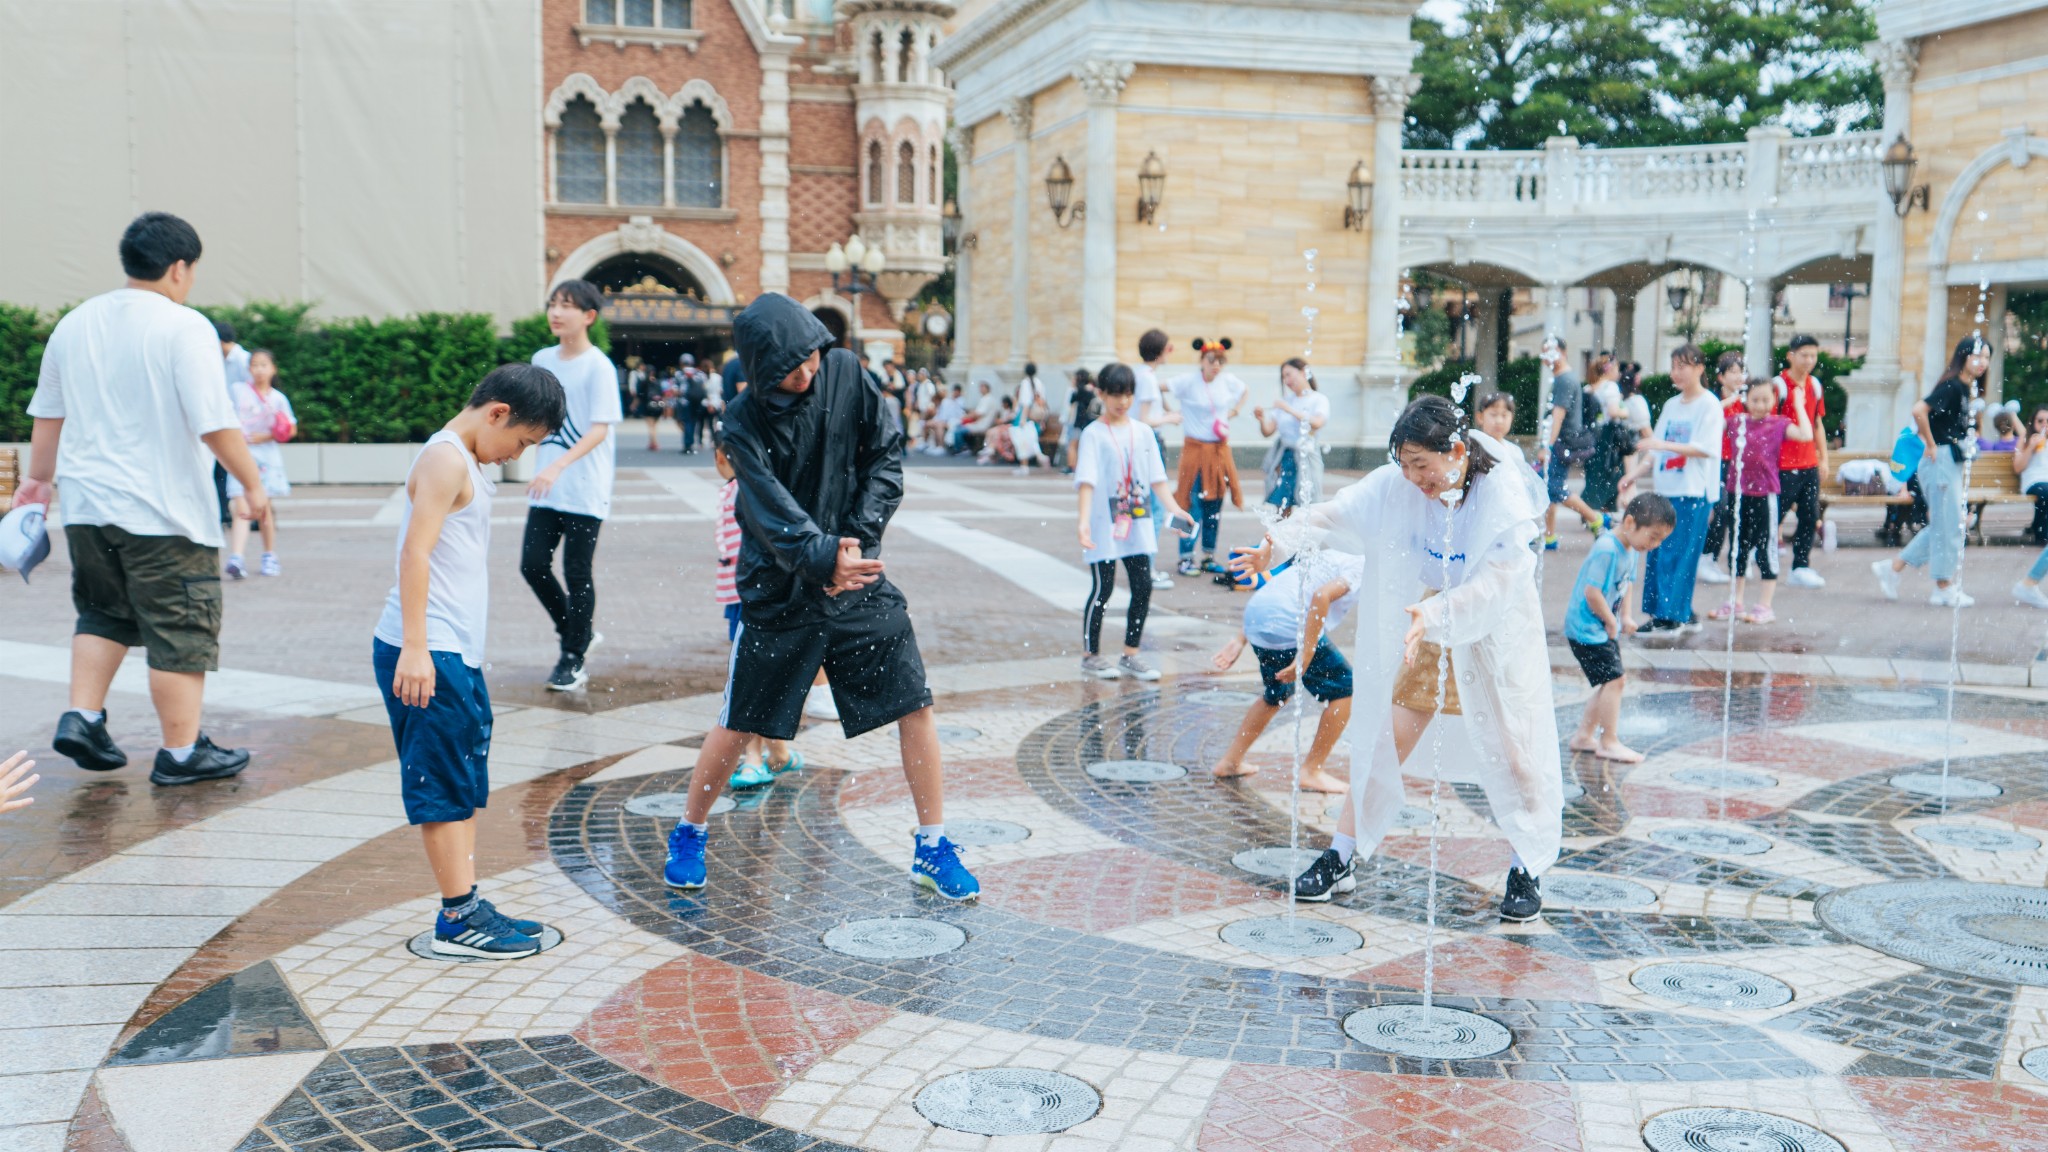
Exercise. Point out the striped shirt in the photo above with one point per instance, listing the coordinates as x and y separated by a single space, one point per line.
728 540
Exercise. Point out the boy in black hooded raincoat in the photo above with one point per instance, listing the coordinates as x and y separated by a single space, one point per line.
820 469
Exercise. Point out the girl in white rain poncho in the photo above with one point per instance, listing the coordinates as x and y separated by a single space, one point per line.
1437 571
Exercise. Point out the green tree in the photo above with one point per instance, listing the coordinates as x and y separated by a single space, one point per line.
1795 63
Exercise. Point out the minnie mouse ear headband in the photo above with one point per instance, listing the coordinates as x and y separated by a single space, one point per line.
2012 406
1205 347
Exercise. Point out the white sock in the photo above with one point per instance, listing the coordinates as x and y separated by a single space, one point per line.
704 827
928 834
1344 846
181 754
92 715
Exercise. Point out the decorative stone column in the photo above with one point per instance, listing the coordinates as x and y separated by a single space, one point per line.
962 140
668 164
1557 311
1874 389
1380 378
1756 329
1625 324
1486 337
1018 112
1102 81
775 165
611 162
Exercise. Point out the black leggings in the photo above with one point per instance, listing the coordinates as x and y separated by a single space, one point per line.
1756 534
1799 493
571 608
1139 569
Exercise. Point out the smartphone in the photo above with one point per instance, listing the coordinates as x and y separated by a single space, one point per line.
1182 523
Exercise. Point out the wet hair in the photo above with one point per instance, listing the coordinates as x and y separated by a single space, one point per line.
224 331
1727 360
1116 380
1650 510
1152 345
1965 348
1434 424
1220 349
1802 340
531 392
1495 400
154 241
1301 366
581 295
1688 353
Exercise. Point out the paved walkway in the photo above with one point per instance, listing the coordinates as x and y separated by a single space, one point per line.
1788 909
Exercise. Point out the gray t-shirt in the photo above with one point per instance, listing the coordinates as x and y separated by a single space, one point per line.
1564 393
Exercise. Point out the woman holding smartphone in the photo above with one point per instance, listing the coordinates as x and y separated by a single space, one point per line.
1116 465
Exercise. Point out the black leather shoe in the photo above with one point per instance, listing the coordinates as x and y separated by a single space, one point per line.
88 743
1330 873
207 762
1524 901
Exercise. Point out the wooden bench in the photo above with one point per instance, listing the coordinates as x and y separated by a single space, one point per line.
10 475
1992 481
1831 493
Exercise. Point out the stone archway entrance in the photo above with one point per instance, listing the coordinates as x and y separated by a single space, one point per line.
657 311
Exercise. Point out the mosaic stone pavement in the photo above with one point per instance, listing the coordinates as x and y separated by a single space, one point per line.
1783 916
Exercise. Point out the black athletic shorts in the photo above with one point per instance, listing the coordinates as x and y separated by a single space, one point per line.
870 658
1600 662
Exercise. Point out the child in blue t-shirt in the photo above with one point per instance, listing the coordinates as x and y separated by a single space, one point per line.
1591 626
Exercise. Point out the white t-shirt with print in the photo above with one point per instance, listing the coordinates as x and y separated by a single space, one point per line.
259 414
1204 402
591 384
1310 404
1107 456
1697 422
137 380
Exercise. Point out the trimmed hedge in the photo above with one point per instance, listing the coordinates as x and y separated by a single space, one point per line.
357 380
1521 379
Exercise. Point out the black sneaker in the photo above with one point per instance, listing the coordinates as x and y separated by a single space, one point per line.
208 761
1657 628
568 674
87 742
1330 873
1524 901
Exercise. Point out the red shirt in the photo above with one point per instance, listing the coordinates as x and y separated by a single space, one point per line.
1801 453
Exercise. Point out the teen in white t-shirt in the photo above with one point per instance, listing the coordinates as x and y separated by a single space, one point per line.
1121 483
1685 455
571 494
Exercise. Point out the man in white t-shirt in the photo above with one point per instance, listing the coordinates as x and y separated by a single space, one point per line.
131 410
569 497
1150 409
1685 453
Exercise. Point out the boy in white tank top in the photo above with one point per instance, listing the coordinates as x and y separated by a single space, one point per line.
429 646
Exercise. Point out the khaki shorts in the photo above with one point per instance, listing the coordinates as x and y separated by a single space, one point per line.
160 593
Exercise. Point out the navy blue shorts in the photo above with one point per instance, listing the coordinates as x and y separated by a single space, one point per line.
1327 677
444 749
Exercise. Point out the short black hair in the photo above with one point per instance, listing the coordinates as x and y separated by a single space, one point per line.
530 391
1495 399
1116 380
1688 353
1801 340
225 331
1651 511
1727 360
1152 345
154 241
581 293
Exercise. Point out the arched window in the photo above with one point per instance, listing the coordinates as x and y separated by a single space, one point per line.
579 155
874 172
904 44
639 155
906 173
938 184
700 160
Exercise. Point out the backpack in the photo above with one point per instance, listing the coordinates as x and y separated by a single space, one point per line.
693 387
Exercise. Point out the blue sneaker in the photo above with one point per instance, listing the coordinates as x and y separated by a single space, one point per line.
938 868
685 868
1550 543
523 927
484 935
751 775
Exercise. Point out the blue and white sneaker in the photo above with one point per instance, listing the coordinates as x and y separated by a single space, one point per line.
685 867
523 927
938 868
484 935
751 775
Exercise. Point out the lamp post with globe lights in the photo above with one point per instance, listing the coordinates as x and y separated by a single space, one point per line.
854 267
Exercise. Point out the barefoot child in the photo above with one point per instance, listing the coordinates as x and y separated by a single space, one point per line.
1592 626
1120 479
1283 619
429 646
757 767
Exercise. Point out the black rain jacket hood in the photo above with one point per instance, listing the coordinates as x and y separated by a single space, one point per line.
813 468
